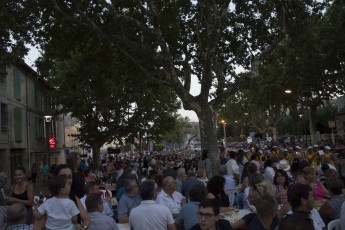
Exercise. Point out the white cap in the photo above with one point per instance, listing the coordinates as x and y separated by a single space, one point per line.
298 147
315 146
327 147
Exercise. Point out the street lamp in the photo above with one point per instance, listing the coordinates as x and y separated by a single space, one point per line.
48 119
288 91
224 123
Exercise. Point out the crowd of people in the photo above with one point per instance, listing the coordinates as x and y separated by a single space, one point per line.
281 186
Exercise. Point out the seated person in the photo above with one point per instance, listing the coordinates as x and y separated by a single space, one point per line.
128 201
297 221
17 217
319 191
94 205
188 214
301 200
265 216
169 197
330 210
209 217
215 188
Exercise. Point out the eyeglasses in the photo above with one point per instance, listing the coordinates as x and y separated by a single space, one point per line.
206 215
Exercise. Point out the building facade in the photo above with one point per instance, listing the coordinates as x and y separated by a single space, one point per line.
24 134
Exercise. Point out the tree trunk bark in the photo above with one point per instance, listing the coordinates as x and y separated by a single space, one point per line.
312 124
208 135
96 157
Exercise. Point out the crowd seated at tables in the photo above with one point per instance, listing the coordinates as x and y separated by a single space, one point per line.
272 184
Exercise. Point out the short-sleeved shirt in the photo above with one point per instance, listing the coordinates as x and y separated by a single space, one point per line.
126 204
59 213
188 216
172 202
106 207
98 221
150 216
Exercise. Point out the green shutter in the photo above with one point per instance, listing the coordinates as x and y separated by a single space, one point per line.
18 134
16 84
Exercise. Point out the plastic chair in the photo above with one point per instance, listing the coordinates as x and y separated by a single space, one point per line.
334 225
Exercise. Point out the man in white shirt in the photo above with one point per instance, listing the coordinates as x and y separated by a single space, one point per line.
149 215
169 197
93 188
232 166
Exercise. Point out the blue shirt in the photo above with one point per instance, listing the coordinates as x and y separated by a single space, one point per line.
188 216
98 221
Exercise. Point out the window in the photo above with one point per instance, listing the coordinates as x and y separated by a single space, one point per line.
18 134
39 129
4 118
17 84
3 74
38 97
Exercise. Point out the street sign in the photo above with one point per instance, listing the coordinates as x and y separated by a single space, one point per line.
52 142
331 124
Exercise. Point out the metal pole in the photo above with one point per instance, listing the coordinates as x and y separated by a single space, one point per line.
224 135
333 137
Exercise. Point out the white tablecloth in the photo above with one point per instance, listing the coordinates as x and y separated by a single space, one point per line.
233 216
123 226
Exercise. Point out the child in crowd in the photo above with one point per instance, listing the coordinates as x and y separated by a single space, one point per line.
60 209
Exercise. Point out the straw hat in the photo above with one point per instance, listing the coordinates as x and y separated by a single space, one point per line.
284 165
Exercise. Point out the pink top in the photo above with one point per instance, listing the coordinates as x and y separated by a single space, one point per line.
319 191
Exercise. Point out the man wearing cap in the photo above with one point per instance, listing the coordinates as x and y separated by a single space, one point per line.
312 157
170 171
330 156
275 155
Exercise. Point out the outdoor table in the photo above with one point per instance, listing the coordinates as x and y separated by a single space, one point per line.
233 216
123 226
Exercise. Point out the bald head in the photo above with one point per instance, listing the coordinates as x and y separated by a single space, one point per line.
16 214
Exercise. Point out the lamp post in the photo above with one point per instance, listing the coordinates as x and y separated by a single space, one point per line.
48 119
224 123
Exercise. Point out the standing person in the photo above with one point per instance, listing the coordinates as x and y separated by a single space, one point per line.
170 171
181 176
111 170
64 170
44 172
232 166
60 210
22 192
209 217
156 216
205 163
269 171
95 206
78 182
3 181
33 173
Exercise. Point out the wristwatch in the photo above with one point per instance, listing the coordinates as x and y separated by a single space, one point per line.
84 226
